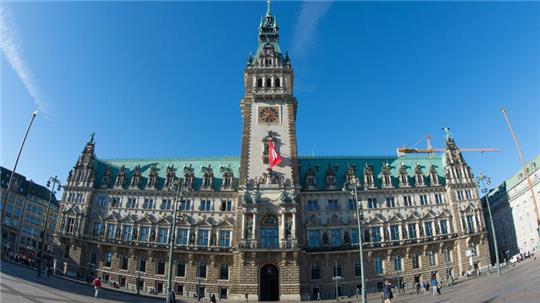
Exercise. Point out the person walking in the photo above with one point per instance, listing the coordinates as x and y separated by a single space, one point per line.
387 292
434 285
97 287
213 298
171 297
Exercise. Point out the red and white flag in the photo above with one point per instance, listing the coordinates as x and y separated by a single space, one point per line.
275 159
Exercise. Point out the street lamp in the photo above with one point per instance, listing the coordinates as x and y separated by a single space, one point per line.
359 216
484 180
180 191
138 282
11 176
54 184
337 279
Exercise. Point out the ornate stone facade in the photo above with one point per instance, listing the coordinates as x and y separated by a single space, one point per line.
273 234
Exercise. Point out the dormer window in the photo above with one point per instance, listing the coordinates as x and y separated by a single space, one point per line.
152 178
208 177
171 176
434 177
268 62
330 177
189 177
121 177
386 176
368 176
310 180
418 175
403 177
136 177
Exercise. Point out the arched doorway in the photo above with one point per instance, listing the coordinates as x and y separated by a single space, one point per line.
269 283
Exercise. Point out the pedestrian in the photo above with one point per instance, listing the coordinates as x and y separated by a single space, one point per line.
213 298
357 292
434 284
318 296
171 297
97 287
417 284
451 282
387 292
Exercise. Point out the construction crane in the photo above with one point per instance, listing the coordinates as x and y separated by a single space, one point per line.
402 151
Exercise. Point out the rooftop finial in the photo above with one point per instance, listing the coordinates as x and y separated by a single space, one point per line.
92 137
268 7
448 133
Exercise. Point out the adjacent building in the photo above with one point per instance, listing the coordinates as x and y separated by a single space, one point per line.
516 219
26 208
271 234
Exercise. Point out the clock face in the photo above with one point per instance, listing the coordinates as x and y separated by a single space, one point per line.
268 114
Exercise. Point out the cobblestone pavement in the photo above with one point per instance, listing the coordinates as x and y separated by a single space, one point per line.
518 284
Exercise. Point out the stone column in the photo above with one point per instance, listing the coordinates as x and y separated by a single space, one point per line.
254 232
243 226
293 227
282 228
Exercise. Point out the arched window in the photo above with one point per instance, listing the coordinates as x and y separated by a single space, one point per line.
259 82
268 82
277 82
315 271
108 259
224 272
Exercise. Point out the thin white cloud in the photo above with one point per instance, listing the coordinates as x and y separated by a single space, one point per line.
10 48
305 29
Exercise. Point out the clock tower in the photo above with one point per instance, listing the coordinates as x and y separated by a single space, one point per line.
268 113
267 233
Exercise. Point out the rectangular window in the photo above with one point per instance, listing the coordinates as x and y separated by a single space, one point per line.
180 269
338 270
225 238
185 205
115 202
428 229
312 205
142 264
201 270
111 231
357 268
424 200
102 201
439 199
352 204
415 261
163 235
394 232
412 230
132 203
376 234
333 205
354 236
97 229
127 231
459 195
226 206
148 203
315 271
397 263
372 202
144 231
390 202
468 193
444 227
470 224
206 205
432 258
202 237
182 236
407 201
160 270
224 272
335 237
378 266
165 204
314 238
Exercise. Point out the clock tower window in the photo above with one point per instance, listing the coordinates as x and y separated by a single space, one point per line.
259 82
277 82
269 82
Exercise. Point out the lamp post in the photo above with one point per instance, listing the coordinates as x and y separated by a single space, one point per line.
138 282
179 194
54 184
337 279
10 182
483 181
360 217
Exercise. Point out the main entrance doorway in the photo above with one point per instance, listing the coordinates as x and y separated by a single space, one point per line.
269 283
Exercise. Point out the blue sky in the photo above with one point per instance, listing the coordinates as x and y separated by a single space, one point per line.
159 80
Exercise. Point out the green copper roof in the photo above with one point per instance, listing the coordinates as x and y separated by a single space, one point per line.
376 162
146 164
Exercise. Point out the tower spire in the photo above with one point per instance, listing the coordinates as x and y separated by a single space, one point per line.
268 7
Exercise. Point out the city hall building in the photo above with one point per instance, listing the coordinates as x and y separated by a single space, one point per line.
273 234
